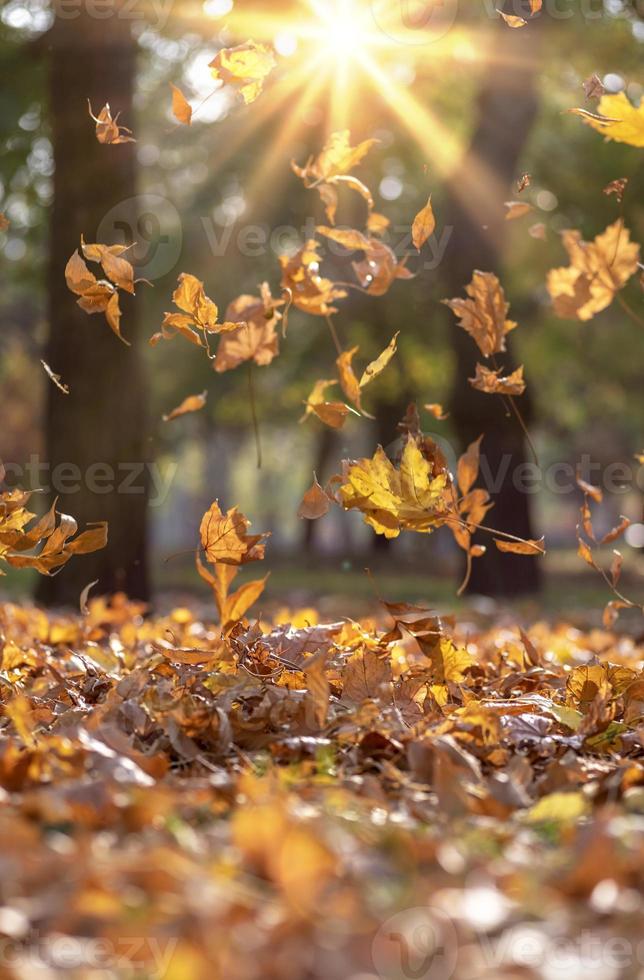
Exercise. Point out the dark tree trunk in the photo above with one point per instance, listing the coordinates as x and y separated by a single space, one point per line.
99 429
507 108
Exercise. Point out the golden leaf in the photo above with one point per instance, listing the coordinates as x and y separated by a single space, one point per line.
256 338
315 503
193 403
424 225
108 130
225 538
244 67
517 209
484 314
492 383
521 547
617 119
181 108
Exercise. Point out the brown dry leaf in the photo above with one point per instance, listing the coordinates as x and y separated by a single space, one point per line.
512 21
108 130
538 230
94 295
256 339
349 238
244 67
115 267
524 181
366 676
56 378
484 314
348 380
193 403
318 685
521 547
424 225
232 606
5 224
199 317
535 7
333 414
436 409
593 87
597 271
225 538
315 503
492 383
181 108
517 209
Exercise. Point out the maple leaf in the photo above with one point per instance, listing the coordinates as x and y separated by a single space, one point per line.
232 606
616 119
311 292
597 271
492 383
256 339
392 499
108 130
193 403
330 170
225 538
244 67
484 314
424 225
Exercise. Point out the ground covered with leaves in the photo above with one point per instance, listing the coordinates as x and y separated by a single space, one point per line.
401 796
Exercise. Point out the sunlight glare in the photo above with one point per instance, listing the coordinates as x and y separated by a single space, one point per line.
344 28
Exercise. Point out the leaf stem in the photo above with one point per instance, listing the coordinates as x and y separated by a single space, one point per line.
253 410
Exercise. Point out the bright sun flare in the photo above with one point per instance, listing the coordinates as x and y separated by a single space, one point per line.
344 29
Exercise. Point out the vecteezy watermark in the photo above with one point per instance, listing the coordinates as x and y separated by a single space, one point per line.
98 478
152 13
153 224
128 956
255 241
423 944
416 944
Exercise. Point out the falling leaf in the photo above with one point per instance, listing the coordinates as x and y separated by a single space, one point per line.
5 224
492 383
517 209
521 547
617 187
95 296
377 367
597 271
108 130
538 230
55 378
535 7
199 317
256 338
193 403
244 67
593 87
617 119
225 538
311 292
484 314
436 409
512 21
315 503
379 269
181 108
468 466
524 181
423 226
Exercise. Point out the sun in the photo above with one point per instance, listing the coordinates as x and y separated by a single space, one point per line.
344 29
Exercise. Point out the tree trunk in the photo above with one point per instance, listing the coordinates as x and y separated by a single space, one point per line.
96 436
507 108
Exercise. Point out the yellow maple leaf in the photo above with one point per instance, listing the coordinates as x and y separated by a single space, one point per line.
617 119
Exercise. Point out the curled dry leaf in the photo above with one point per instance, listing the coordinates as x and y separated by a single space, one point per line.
315 503
193 403
617 187
108 130
244 68
199 317
538 230
181 108
5 224
95 295
484 314
521 547
331 170
423 226
524 181
56 378
492 383
225 538
593 87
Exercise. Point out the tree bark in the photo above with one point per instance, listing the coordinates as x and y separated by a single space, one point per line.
507 107
96 436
